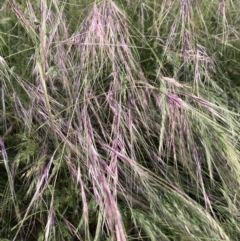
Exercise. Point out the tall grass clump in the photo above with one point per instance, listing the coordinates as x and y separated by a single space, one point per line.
119 120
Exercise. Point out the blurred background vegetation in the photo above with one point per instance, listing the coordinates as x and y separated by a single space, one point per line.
119 120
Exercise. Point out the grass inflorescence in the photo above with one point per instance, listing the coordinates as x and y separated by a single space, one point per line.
119 120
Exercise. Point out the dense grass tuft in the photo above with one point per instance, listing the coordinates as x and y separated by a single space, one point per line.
119 120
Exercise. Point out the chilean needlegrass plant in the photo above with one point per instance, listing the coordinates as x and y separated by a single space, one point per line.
124 123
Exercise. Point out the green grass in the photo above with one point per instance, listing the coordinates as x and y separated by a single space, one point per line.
119 120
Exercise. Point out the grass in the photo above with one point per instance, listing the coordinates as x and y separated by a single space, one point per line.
119 120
